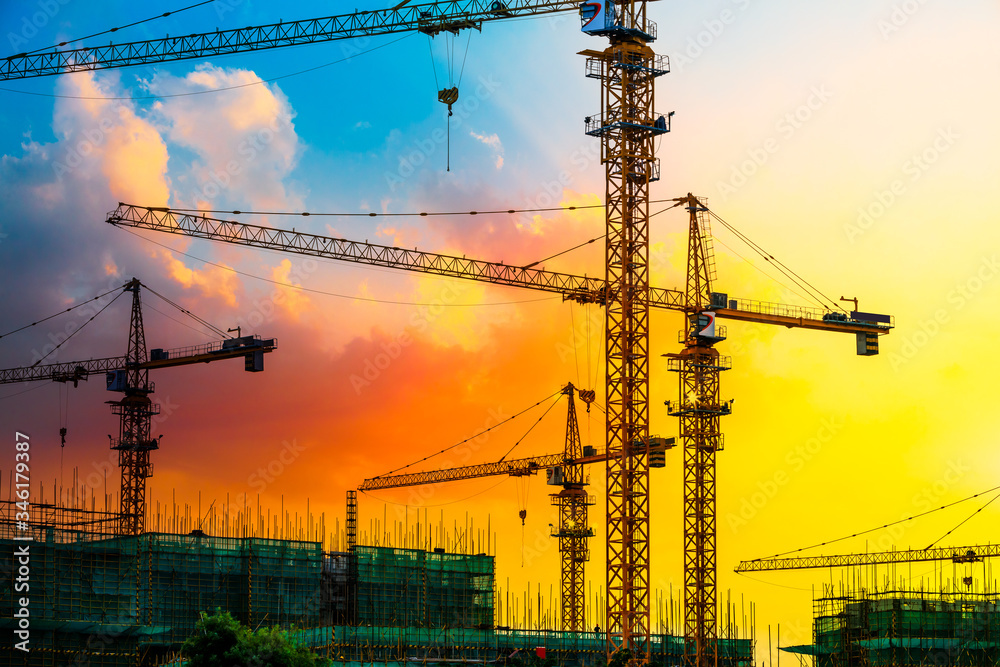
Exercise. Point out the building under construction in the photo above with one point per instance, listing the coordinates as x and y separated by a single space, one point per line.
903 628
98 598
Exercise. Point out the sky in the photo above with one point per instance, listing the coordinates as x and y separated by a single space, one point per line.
856 142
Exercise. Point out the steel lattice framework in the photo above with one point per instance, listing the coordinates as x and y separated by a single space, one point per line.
566 470
971 554
428 17
577 288
136 411
699 408
626 126
574 529
514 467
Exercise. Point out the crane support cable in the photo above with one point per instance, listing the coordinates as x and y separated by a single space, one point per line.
471 437
781 266
46 319
563 252
450 502
872 530
209 90
187 312
964 521
526 433
116 29
311 290
78 330
372 214
451 15
790 289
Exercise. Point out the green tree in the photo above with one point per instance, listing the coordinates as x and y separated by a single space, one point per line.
222 641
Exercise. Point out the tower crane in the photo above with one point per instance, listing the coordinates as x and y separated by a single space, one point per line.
129 375
958 555
626 126
698 365
565 470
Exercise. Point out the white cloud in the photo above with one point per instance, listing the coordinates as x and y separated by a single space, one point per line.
493 141
243 139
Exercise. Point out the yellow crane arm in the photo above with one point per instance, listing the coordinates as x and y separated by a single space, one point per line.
571 287
513 467
955 554
428 17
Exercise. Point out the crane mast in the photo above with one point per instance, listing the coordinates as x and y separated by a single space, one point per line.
566 470
626 126
574 529
699 409
135 411
129 375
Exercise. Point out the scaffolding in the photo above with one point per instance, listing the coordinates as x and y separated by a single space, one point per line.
133 600
419 589
904 628
506 646
104 600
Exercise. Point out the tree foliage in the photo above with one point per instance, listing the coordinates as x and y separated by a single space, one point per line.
222 641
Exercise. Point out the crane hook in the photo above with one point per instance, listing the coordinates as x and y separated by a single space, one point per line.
523 514
448 96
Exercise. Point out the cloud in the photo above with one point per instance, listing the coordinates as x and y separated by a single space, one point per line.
244 140
493 141
108 137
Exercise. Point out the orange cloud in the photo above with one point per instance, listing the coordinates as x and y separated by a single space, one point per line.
107 136
212 281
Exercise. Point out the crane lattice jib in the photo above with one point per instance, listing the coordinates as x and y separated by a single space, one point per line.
513 467
74 371
430 18
71 371
580 288
570 286
955 554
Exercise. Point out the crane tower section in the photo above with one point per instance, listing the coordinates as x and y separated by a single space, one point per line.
699 409
134 442
627 126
